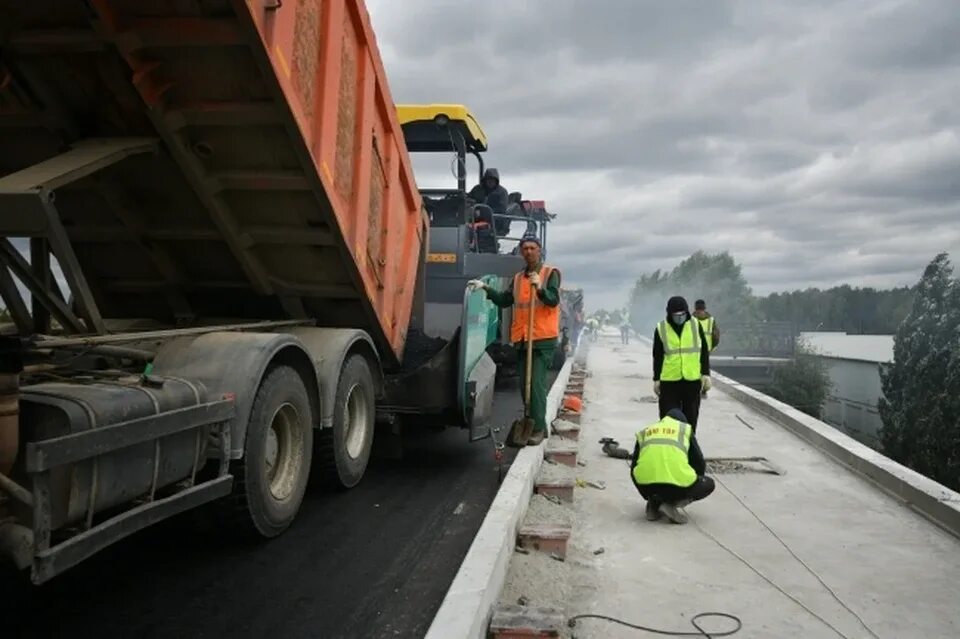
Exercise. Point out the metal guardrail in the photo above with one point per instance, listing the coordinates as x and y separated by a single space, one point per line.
758 339
536 220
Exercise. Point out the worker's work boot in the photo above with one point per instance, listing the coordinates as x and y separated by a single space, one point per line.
671 512
536 438
653 511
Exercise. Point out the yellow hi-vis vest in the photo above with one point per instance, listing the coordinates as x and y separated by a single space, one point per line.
707 324
663 454
681 353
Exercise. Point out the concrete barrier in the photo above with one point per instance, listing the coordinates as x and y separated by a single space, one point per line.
466 609
934 501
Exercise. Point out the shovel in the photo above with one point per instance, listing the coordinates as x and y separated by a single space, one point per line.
522 429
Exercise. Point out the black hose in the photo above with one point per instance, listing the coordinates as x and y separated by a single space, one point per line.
670 633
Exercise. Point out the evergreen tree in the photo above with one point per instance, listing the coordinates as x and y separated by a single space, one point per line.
920 408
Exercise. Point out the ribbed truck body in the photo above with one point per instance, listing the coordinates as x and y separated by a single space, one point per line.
264 174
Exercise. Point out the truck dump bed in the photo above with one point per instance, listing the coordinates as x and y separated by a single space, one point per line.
263 171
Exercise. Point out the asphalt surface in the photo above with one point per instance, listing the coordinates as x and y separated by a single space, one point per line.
372 562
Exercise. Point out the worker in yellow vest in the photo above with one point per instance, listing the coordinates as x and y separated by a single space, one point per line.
681 361
710 329
545 305
668 468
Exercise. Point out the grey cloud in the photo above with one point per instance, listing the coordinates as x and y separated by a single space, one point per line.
818 141
897 35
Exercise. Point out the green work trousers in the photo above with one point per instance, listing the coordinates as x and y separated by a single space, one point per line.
542 357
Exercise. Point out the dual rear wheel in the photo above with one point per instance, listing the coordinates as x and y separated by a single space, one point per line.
283 450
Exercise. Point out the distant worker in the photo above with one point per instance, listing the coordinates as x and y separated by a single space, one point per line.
681 361
668 468
710 330
546 324
625 330
489 192
593 328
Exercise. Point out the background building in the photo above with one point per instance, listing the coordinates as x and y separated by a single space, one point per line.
853 363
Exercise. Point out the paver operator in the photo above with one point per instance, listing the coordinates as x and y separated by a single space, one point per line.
489 191
668 468
546 323
681 361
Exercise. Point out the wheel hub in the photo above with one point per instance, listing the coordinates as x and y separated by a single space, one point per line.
283 456
358 421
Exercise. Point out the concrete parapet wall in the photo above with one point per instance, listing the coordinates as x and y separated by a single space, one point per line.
934 501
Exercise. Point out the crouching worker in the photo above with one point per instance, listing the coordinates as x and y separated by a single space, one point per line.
668 468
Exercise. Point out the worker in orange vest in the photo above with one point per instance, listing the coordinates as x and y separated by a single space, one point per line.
546 324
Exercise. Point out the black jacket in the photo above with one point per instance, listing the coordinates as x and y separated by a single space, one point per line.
496 198
658 350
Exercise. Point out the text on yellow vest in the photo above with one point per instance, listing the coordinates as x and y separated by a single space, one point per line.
664 447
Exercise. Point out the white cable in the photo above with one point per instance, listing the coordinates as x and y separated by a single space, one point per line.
767 579
802 562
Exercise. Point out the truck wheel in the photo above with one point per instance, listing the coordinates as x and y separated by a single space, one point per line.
344 450
270 480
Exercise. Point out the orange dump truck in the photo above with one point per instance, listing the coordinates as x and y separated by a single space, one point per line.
211 262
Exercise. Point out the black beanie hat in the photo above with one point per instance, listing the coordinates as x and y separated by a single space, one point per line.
677 304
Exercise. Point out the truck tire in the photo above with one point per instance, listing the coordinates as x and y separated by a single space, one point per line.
270 480
344 450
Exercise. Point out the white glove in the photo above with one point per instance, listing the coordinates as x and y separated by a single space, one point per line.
476 285
656 388
535 279
705 384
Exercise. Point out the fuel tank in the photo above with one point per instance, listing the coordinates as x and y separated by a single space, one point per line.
54 409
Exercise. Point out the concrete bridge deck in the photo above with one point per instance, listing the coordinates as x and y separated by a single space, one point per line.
819 551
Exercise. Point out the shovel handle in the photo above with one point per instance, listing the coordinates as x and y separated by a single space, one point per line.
529 371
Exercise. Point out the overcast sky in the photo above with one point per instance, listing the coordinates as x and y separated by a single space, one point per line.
816 141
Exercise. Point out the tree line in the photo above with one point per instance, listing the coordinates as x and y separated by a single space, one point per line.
719 280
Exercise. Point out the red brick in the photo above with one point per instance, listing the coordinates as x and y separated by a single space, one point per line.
570 416
566 430
546 538
562 455
562 488
522 622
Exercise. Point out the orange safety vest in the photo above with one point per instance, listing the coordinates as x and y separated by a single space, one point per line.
546 319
